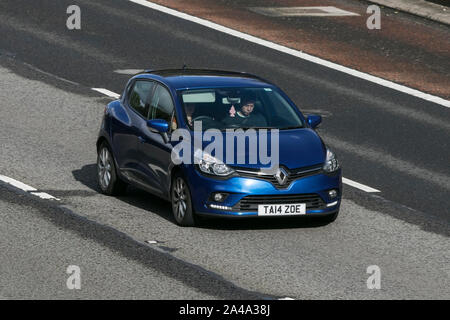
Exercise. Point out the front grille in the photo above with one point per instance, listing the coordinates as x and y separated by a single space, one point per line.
293 175
250 203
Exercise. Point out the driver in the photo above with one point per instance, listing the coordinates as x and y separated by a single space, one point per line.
195 112
245 116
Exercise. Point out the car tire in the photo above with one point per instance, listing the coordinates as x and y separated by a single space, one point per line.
181 201
107 178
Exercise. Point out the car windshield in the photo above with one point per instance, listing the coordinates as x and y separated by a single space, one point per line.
231 108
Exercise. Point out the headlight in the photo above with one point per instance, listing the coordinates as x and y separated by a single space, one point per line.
331 162
210 165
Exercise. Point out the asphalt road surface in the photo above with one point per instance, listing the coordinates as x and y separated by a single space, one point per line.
49 119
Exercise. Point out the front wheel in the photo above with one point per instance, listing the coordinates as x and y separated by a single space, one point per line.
182 203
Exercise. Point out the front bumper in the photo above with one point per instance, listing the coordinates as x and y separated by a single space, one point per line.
312 190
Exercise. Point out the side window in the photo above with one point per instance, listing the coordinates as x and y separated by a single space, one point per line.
139 97
161 105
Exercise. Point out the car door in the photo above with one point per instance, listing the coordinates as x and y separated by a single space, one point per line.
127 129
154 152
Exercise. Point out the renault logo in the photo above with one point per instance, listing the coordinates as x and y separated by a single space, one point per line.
281 176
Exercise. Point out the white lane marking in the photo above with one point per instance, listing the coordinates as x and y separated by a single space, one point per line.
327 11
359 185
17 184
27 188
107 92
44 195
296 53
286 298
128 71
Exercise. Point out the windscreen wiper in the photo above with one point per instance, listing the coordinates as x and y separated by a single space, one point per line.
294 127
246 128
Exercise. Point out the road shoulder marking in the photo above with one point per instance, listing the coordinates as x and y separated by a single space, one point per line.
17 184
359 186
107 92
24 187
327 11
296 53
129 71
44 195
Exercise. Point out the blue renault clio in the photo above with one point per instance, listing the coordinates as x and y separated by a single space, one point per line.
253 152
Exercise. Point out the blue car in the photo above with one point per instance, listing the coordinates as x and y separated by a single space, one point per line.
267 159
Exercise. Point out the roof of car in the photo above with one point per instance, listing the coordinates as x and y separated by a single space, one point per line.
205 78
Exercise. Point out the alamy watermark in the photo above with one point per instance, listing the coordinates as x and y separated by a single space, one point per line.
74 20
374 20
239 147
374 281
74 280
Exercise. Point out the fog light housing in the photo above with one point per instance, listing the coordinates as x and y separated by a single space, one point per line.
218 196
332 194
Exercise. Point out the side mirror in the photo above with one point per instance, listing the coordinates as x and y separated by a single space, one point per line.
160 126
314 120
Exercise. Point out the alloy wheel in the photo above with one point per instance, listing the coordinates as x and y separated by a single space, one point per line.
179 199
104 168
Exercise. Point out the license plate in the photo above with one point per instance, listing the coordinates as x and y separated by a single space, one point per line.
281 209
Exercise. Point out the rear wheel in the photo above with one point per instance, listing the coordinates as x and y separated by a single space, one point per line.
107 177
181 202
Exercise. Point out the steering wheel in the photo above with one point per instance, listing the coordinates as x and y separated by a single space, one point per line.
202 118
234 125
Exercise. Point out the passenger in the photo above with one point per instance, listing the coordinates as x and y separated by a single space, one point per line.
190 109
